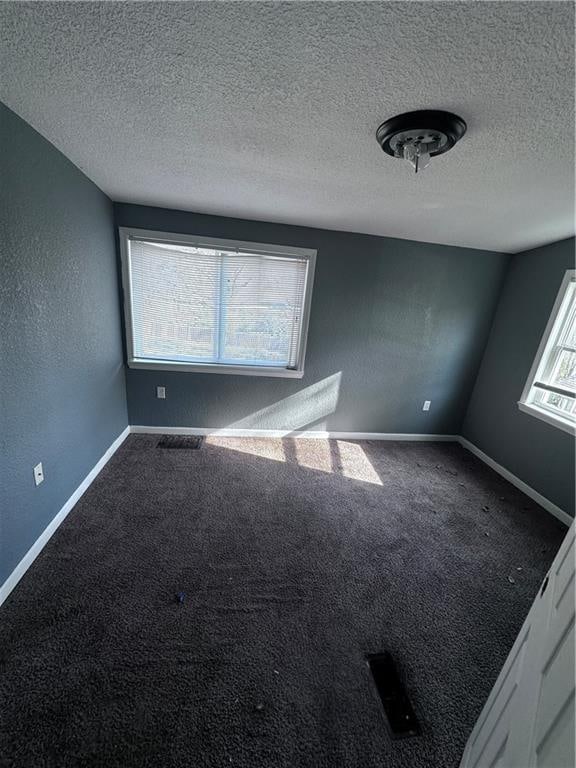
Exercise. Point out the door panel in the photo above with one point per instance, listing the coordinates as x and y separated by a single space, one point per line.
556 750
528 720
491 735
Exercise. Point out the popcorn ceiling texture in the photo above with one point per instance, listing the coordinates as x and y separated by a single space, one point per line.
268 110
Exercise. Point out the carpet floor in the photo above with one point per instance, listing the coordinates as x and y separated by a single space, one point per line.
294 559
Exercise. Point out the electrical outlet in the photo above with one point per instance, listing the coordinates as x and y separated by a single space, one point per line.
427 404
161 393
38 474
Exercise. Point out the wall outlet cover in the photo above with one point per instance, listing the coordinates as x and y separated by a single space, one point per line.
38 474
427 404
161 393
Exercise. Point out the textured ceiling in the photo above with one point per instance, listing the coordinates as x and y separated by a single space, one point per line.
268 110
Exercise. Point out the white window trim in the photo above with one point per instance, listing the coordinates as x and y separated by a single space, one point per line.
539 363
128 233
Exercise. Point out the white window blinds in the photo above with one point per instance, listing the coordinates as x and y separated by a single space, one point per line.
216 306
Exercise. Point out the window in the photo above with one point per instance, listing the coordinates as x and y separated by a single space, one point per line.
550 392
217 306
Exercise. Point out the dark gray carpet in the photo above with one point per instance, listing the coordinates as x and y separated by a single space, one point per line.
295 563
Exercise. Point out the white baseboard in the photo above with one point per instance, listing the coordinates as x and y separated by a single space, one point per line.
520 484
296 433
44 537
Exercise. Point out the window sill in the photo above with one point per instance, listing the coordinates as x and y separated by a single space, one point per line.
549 418
235 370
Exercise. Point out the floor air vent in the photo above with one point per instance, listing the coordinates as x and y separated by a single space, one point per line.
400 716
181 442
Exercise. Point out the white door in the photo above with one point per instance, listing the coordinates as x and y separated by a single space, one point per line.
528 720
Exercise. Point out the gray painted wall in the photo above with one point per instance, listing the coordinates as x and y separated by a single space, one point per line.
538 453
393 323
61 367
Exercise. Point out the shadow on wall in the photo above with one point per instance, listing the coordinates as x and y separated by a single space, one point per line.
309 406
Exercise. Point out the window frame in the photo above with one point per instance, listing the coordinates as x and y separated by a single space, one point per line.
541 361
126 234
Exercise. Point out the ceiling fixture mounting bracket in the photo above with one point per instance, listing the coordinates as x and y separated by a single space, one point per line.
418 136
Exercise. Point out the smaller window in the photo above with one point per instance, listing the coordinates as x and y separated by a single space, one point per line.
550 392
217 306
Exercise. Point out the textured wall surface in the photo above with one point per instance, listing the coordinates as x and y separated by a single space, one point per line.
269 110
393 323
62 379
540 454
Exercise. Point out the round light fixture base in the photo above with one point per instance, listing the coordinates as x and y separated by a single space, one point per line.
424 133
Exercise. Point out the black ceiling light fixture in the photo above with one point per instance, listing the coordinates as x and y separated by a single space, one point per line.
418 136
